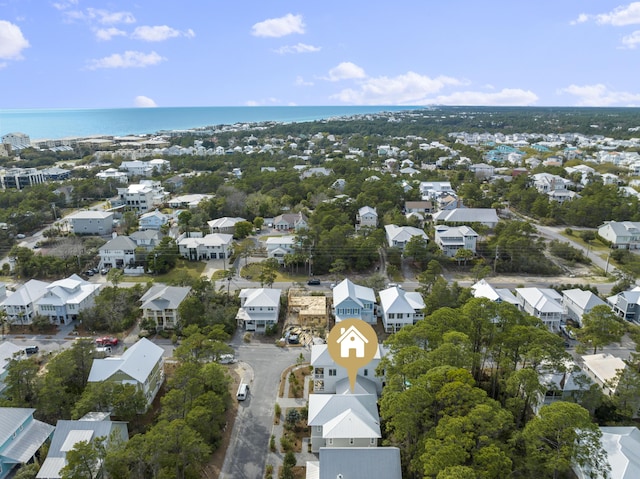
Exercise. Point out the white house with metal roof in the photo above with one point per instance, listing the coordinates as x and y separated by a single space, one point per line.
280 246
343 420
225 225
66 298
211 246
69 433
160 304
450 239
399 236
459 216
577 302
20 306
621 234
626 304
330 378
20 437
367 217
482 289
153 220
351 300
543 303
141 365
259 308
355 462
400 308
188 201
603 369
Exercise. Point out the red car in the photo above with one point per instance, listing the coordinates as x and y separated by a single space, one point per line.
107 341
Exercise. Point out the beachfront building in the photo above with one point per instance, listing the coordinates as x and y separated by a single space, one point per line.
142 197
19 178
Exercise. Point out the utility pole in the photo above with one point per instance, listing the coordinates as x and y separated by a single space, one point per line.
606 269
495 260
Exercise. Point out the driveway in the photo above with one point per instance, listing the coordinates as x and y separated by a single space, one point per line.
260 365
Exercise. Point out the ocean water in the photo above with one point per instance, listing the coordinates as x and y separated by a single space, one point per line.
63 123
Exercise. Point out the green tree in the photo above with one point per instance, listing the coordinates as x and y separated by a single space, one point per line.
115 276
269 272
562 435
242 229
84 460
463 255
258 222
600 327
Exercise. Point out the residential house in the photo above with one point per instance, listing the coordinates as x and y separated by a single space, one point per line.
330 378
224 225
353 301
259 308
626 304
141 365
430 190
564 385
603 370
290 221
399 308
20 437
621 445
118 252
69 433
482 171
543 303
348 462
399 236
188 201
91 222
450 239
141 197
545 182
577 302
211 246
482 289
343 420
421 207
137 168
367 217
153 220
112 173
280 246
160 305
8 351
21 305
461 216
146 239
560 196
621 234
65 299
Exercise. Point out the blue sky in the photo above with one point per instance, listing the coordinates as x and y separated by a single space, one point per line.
104 54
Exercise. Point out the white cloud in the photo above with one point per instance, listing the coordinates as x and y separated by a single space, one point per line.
129 59
301 82
159 33
106 34
12 41
263 102
582 18
346 71
104 17
64 5
298 48
599 95
279 27
410 88
142 101
504 97
620 16
631 41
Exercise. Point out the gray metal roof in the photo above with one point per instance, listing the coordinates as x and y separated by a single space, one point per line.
27 441
160 297
360 462
137 362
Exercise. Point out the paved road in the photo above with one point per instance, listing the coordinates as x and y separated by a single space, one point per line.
260 365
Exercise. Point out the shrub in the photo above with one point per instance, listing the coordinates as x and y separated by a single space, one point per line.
272 443
286 444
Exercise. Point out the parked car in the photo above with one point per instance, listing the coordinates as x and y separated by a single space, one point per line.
104 271
227 359
31 349
89 272
107 341
314 282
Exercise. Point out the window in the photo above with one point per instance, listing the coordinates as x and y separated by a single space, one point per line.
366 372
332 372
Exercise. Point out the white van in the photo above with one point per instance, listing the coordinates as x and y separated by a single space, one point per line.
243 391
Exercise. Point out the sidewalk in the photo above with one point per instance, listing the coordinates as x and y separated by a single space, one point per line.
276 458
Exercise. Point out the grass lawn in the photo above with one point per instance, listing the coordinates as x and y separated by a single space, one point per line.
183 269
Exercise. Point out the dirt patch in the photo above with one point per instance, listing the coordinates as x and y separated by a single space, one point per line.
299 472
292 437
296 381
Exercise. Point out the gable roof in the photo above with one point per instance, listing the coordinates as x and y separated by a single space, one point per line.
482 289
261 297
545 300
403 233
622 445
118 243
397 300
356 462
349 290
584 299
34 434
160 297
26 294
137 362
467 215
330 409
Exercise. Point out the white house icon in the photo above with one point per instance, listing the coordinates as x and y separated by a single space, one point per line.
351 339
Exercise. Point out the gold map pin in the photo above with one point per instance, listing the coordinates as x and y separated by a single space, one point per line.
352 344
